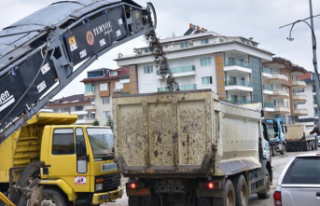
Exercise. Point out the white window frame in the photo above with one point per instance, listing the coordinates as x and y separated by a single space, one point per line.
113 73
204 41
103 87
148 69
105 102
184 45
207 77
208 61
105 116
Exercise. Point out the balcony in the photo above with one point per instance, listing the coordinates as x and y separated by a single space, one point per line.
90 107
266 72
236 66
267 89
300 112
238 85
299 98
90 94
277 78
268 107
280 109
182 87
181 71
125 78
279 94
239 101
299 84
125 93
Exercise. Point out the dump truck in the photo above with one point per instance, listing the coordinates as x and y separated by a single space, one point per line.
190 148
298 139
277 138
79 160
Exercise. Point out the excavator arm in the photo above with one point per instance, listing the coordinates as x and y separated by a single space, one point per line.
44 52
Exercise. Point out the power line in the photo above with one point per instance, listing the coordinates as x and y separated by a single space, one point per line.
301 20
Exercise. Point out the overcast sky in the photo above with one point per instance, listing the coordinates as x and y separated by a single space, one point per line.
259 19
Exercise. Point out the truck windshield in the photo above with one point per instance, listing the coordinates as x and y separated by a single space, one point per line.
102 141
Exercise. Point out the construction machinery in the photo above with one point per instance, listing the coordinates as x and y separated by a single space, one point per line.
298 138
277 137
39 56
190 148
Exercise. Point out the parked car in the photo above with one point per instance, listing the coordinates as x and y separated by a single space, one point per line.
299 182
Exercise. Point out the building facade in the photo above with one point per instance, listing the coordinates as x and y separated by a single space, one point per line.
74 104
229 66
281 90
310 93
100 86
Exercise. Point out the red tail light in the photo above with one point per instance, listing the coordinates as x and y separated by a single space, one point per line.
211 185
133 186
277 198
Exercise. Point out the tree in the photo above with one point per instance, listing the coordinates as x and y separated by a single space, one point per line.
96 123
110 122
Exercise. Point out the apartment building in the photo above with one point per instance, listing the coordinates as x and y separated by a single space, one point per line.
228 65
100 86
310 92
281 90
74 104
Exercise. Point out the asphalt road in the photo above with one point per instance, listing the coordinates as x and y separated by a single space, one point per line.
278 163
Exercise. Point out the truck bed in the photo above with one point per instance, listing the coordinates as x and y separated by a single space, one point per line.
184 134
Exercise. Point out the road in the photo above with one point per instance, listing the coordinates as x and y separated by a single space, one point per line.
278 163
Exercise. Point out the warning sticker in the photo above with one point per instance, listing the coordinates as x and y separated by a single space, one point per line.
138 15
102 42
120 21
41 86
80 180
45 68
119 33
90 38
73 43
83 53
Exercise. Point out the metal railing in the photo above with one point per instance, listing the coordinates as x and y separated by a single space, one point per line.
182 87
266 70
238 82
125 76
268 87
269 104
181 69
239 101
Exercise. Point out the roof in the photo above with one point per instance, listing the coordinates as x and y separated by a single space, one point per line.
287 63
77 98
121 71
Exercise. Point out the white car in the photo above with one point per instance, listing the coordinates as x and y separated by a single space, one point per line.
299 183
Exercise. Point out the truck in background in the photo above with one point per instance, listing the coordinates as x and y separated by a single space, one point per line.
81 168
298 138
277 138
190 148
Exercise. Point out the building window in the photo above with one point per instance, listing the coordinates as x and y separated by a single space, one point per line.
221 40
112 74
106 114
56 111
105 100
65 110
89 88
92 115
205 41
148 69
184 45
146 50
80 117
300 90
315 112
313 88
78 108
205 61
206 80
104 87
63 142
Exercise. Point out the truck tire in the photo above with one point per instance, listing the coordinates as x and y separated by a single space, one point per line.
229 194
241 191
51 197
134 201
205 201
265 194
283 151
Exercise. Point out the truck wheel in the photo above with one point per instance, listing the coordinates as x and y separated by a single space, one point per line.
51 197
229 194
272 150
134 201
283 151
241 190
265 194
205 201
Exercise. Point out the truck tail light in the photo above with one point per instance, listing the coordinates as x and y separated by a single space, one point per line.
99 180
208 185
211 185
277 198
133 185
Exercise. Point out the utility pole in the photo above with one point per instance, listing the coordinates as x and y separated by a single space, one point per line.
315 64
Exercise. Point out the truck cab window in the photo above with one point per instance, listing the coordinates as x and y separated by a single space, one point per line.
80 138
63 142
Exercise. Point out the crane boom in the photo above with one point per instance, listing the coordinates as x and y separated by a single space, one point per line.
44 52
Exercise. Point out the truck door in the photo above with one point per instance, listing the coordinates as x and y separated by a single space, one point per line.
65 163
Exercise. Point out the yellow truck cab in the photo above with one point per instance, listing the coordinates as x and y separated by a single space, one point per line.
80 159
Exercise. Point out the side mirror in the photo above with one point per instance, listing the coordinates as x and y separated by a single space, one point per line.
275 126
262 113
78 149
265 131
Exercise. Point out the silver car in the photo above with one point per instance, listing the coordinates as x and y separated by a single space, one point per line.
299 183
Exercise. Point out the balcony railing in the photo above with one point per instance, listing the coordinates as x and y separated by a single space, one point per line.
181 87
269 104
238 83
125 76
181 69
237 63
267 87
266 70
239 101
125 93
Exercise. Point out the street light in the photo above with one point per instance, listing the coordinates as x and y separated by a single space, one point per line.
314 50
